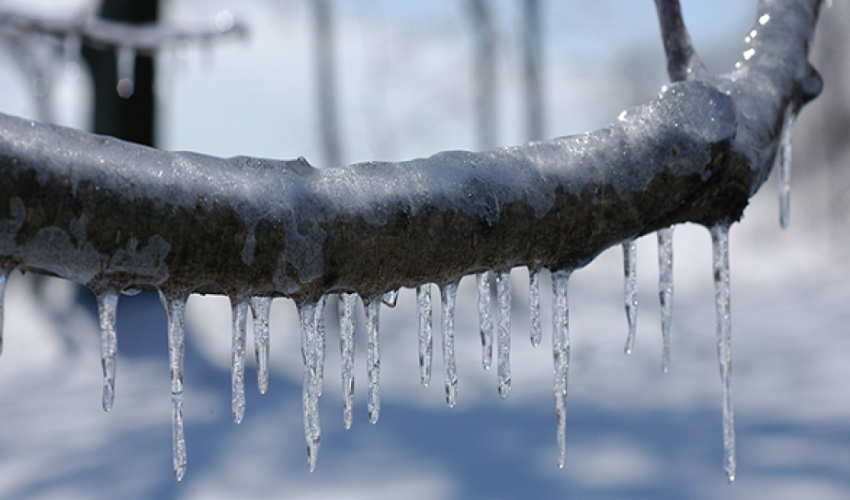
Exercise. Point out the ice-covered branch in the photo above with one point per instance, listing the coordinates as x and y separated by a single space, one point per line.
110 214
104 34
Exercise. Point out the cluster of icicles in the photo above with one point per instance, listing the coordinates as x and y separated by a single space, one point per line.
312 319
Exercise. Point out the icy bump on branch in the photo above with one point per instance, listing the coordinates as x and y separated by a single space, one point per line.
144 39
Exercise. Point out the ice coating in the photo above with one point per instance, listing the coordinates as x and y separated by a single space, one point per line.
535 328
175 308
720 248
561 355
390 298
449 292
503 287
346 348
665 290
310 347
785 157
239 310
630 291
485 320
260 310
373 358
426 341
107 305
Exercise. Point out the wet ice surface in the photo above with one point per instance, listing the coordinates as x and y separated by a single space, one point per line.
631 431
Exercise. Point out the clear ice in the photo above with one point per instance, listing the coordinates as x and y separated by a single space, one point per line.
320 331
426 341
535 329
4 277
310 347
239 309
373 358
561 355
785 167
665 290
346 348
485 321
630 291
107 305
503 287
175 308
720 246
260 310
448 330
390 299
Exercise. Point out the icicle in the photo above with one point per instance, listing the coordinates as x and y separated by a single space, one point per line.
126 69
373 358
390 298
720 245
71 49
4 277
448 317
503 286
175 307
310 346
536 331
665 290
485 323
107 304
239 309
785 167
561 354
346 348
426 342
320 330
630 291
260 310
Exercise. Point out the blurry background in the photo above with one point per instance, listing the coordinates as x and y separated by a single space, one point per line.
410 79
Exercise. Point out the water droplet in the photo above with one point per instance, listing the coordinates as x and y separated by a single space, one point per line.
448 331
665 290
126 70
346 347
260 310
630 291
503 287
536 330
561 355
720 247
373 358
107 305
239 309
175 307
485 322
426 342
71 49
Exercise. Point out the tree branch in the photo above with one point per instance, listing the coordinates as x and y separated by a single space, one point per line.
109 214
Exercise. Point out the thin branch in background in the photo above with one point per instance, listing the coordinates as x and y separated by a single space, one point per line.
323 30
682 60
486 104
532 52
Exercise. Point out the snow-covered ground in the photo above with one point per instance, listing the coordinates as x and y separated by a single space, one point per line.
632 431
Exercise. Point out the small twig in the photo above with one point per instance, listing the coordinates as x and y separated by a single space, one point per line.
682 60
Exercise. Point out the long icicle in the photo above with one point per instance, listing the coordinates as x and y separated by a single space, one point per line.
175 308
665 290
535 328
785 155
346 348
561 355
107 305
426 341
503 287
310 393
630 291
485 321
239 315
4 278
448 331
373 358
720 246
320 331
260 310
